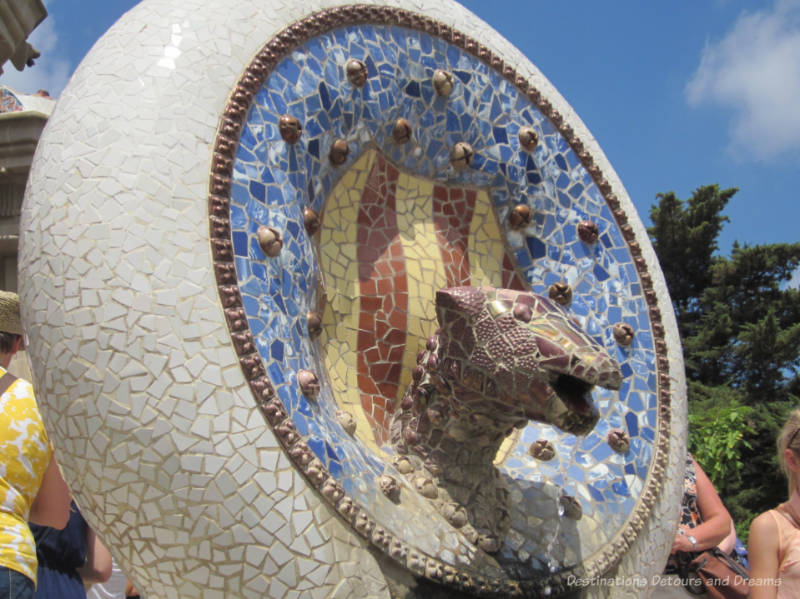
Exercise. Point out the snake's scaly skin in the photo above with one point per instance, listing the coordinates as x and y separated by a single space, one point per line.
499 359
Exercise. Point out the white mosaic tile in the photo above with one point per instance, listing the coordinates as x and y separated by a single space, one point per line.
153 421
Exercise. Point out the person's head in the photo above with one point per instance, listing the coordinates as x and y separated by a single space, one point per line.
10 325
789 450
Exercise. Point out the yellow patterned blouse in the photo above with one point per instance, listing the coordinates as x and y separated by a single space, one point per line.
24 455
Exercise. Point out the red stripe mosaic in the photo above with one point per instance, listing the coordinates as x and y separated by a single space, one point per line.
453 208
384 298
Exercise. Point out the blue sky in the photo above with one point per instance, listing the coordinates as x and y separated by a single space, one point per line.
678 94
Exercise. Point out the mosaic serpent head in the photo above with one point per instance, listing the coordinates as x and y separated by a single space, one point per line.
498 359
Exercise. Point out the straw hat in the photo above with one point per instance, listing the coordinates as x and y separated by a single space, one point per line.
9 313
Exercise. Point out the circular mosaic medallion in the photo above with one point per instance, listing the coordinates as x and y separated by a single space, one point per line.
238 223
427 163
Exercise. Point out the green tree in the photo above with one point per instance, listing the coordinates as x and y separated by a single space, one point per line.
740 327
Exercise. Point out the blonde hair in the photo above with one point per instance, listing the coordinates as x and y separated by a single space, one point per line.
789 439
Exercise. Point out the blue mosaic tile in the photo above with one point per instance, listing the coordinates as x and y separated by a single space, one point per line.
273 182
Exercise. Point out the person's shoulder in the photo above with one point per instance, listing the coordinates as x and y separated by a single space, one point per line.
16 383
20 395
764 523
22 390
21 387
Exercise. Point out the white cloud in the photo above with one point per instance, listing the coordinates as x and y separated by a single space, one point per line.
755 71
51 72
794 282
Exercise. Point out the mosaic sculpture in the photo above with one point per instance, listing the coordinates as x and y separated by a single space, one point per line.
498 359
236 223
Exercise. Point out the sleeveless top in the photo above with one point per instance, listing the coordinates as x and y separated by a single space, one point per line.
60 553
690 511
24 456
788 556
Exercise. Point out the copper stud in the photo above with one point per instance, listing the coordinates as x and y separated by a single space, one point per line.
311 221
347 421
542 450
389 486
489 543
356 72
339 152
401 132
270 240
443 82
560 293
519 217
623 333
309 383
461 155
570 507
314 324
456 515
403 465
290 128
618 440
426 487
528 138
588 231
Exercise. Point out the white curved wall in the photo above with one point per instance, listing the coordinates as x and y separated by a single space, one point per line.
155 427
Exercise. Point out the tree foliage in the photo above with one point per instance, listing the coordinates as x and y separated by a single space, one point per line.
740 327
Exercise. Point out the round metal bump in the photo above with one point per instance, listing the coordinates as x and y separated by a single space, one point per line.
426 487
339 152
455 514
443 82
401 132
561 293
270 240
314 324
311 221
356 72
390 487
308 383
520 217
528 138
571 507
403 465
347 421
588 231
542 450
618 440
489 543
461 155
290 128
623 333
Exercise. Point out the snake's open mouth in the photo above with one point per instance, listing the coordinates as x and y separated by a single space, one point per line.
574 392
570 406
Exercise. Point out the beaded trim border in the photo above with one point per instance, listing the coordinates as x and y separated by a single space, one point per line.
227 140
